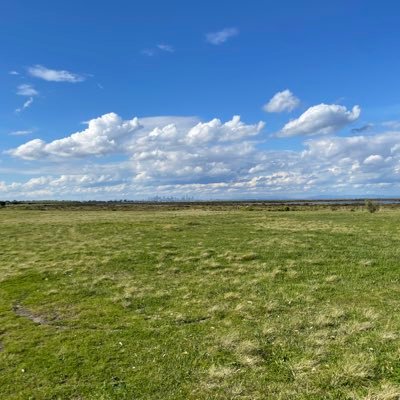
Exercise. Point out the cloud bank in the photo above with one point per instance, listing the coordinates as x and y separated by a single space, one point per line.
175 156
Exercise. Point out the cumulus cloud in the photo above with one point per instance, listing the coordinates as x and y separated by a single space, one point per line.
182 123
354 147
104 135
217 38
79 185
177 156
192 151
231 170
109 134
321 119
282 101
53 75
215 130
357 160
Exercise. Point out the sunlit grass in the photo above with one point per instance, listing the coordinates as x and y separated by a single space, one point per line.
198 304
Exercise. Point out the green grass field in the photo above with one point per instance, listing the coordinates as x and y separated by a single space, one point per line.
198 304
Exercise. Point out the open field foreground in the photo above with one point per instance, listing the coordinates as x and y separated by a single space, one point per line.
198 304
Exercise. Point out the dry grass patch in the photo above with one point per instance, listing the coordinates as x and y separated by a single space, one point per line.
354 370
387 391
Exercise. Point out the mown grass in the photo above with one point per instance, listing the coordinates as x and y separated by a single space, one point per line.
198 304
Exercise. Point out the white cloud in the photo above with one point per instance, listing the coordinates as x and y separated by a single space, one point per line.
52 75
215 130
50 186
31 150
321 119
166 47
148 52
359 160
27 90
353 147
13 73
164 149
182 123
104 135
282 101
26 104
217 38
373 159
110 134
21 132
175 156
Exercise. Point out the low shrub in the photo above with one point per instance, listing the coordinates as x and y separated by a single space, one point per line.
371 206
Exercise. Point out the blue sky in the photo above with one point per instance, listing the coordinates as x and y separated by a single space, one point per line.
152 88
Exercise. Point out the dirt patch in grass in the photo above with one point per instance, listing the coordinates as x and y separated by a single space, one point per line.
35 317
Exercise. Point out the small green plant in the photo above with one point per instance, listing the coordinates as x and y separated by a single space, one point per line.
371 206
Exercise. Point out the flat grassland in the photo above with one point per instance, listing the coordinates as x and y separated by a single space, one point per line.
199 304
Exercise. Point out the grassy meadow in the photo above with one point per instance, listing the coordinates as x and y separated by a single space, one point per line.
199 304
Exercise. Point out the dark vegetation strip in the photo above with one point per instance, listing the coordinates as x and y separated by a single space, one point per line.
246 205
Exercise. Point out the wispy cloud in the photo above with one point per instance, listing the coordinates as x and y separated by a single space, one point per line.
13 73
27 104
162 47
27 90
217 38
166 47
391 124
53 75
21 133
148 52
